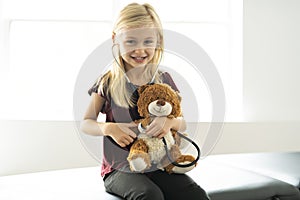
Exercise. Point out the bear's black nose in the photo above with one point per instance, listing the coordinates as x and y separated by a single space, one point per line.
160 103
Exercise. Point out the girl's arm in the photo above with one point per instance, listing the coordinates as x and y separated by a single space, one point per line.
120 132
160 126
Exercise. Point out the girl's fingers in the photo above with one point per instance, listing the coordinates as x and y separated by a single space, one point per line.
158 134
128 139
131 134
149 130
153 132
126 129
151 126
122 144
131 124
161 135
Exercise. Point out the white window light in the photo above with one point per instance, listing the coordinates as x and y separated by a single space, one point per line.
47 48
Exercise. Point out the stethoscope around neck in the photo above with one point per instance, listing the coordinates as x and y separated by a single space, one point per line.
134 87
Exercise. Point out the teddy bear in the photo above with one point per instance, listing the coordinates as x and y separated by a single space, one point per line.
157 100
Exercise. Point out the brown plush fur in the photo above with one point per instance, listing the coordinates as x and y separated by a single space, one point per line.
183 158
139 149
148 94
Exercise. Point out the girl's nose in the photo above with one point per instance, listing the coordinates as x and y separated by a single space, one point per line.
139 50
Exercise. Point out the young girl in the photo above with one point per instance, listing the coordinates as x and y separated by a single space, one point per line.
137 48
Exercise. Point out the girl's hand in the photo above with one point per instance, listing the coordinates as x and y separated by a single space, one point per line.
159 127
121 133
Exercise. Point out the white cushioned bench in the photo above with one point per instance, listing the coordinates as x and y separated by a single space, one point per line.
284 166
220 179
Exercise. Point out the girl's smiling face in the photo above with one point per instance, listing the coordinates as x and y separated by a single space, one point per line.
137 46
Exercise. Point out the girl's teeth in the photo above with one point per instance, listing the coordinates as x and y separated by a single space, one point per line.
139 59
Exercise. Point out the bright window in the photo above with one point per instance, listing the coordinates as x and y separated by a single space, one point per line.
46 42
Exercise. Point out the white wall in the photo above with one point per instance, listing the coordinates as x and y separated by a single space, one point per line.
271 60
271 96
31 146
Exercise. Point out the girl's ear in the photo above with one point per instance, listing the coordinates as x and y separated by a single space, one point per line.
158 44
158 41
113 36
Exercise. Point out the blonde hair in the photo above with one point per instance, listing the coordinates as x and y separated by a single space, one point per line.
133 16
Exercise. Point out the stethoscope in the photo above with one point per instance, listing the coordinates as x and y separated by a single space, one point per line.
176 163
133 87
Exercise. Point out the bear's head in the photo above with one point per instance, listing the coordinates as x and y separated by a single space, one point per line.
158 99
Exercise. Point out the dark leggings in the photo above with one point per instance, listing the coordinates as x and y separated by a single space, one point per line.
157 185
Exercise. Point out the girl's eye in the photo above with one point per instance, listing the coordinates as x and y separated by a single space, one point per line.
149 42
129 42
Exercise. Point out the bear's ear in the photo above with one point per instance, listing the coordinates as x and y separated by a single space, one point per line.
142 88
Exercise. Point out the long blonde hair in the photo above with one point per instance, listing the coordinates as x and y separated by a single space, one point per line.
133 15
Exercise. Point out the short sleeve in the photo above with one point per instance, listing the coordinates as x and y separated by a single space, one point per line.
93 89
100 89
166 78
